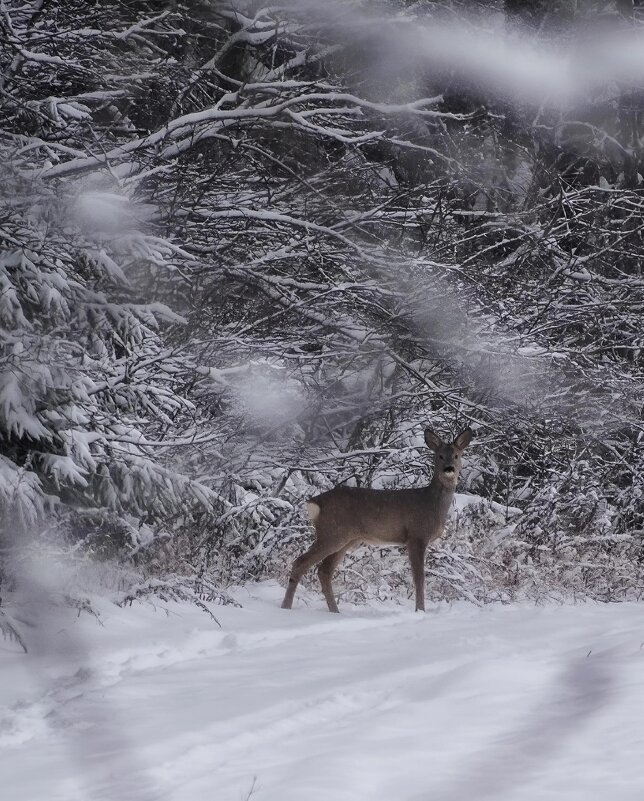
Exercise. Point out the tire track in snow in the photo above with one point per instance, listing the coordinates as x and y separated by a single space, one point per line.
31 718
389 695
225 747
370 692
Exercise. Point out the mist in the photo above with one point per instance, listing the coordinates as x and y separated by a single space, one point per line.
484 52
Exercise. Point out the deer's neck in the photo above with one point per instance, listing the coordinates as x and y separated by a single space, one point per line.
441 498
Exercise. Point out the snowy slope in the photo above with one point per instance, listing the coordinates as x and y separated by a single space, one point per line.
379 703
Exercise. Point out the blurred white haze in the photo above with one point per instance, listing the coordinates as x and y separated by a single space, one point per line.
522 67
104 211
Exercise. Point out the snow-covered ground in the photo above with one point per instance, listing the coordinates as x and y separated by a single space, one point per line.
502 702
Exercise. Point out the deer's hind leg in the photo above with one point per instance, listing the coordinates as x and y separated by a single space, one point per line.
326 569
316 553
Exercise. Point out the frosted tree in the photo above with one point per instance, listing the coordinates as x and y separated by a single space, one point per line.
89 390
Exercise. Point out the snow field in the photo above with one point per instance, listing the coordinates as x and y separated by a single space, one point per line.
506 702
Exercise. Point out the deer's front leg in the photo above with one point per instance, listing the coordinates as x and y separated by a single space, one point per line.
416 550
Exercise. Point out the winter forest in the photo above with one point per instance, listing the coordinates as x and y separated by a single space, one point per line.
250 252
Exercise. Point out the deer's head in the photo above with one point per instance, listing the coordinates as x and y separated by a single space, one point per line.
447 456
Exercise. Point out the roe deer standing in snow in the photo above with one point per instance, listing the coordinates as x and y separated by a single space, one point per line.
346 517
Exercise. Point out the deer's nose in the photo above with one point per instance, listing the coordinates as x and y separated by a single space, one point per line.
449 470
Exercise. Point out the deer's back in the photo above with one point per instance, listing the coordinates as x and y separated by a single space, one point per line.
380 516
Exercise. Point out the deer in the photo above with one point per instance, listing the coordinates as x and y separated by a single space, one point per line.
346 517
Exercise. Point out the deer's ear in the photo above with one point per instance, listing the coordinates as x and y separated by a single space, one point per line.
433 440
464 438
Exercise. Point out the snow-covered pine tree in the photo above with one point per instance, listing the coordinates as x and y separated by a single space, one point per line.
91 394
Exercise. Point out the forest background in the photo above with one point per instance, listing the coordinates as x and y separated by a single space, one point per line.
248 252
